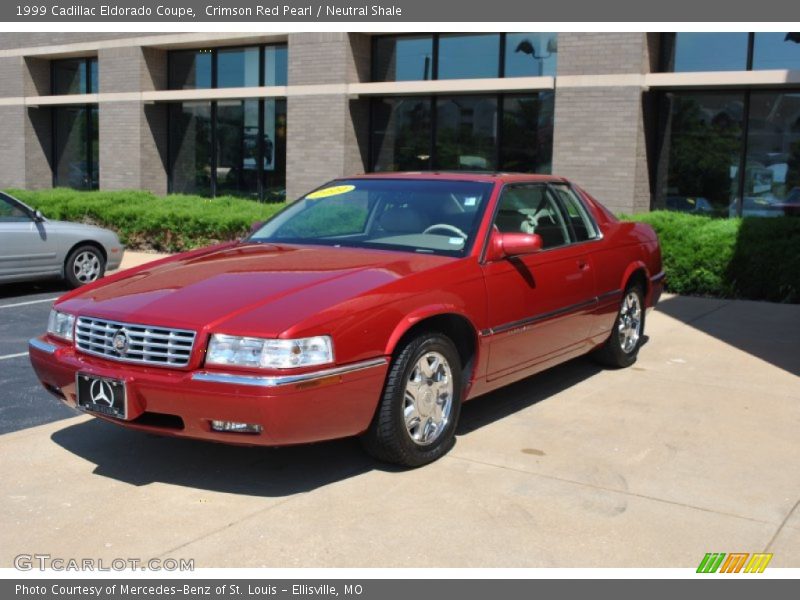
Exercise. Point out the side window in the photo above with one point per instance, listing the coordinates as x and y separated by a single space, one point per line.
582 224
530 209
10 213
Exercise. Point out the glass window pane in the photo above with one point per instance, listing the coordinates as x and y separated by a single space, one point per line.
466 132
10 212
275 150
190 69
528 133
403 58
401 134
69 76
95 83
772 178
190 148
701 147
580 221
275 65
530 209
237 148
94 148
688 51
72 147
469 56
776 51
531 54
237 67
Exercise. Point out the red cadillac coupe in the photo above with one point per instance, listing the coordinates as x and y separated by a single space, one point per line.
373 307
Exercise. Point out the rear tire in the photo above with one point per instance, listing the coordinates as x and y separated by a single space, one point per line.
416 419
84 264
622 347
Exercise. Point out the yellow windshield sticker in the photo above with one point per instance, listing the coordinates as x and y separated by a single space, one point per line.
331 191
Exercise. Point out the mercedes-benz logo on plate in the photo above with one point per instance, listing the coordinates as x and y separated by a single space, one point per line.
101 392
120 342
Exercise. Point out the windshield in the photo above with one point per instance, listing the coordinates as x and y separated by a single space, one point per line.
436 217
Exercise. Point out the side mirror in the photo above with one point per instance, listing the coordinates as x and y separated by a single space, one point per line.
38 216
507 245
256 226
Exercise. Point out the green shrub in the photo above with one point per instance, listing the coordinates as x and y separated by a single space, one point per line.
753 258
145 221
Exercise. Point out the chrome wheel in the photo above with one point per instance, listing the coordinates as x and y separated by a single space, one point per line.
629 328
86 267
428 398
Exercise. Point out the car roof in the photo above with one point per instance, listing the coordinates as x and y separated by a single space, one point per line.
485 176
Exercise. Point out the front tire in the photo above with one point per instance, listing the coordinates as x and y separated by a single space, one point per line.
416 419
622 347
84 264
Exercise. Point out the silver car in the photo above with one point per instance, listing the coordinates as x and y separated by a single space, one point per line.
32 247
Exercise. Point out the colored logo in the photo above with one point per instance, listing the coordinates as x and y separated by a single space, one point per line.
735 562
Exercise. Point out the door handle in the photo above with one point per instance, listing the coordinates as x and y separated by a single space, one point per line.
583 264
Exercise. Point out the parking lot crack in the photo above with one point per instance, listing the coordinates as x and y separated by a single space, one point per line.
169 553
613 490
782 525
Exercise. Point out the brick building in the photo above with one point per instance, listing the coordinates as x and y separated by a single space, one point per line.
698 122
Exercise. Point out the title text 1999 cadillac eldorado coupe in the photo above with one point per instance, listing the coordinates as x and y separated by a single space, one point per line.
374 306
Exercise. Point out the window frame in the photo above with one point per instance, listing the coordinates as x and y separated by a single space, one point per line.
214 51
583 210
14 203
435 39
548 189
85 64
499 154
668 47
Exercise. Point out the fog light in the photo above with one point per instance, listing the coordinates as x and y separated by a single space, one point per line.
233 427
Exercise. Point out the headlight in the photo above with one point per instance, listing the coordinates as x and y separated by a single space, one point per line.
61 324
269 354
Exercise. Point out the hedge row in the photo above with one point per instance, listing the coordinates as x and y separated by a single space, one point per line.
144 221
754 258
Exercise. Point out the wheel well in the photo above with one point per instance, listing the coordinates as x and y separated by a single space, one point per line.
638 276
78 245
87 243
455 327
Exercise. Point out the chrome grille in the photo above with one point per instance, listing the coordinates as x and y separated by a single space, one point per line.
146 344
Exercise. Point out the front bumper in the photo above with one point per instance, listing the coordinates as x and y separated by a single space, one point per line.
291 409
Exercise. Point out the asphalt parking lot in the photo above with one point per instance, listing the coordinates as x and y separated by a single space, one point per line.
695 449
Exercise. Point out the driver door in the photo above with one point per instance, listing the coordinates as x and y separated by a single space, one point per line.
539 305
25 247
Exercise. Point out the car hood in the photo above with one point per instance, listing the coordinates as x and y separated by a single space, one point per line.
279 284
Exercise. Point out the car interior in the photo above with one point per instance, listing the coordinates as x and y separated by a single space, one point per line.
531 209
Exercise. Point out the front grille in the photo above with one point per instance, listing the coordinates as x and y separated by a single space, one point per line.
145 344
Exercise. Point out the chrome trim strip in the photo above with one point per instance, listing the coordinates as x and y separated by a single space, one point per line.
279 380
42 346
608 295
522 323
658 277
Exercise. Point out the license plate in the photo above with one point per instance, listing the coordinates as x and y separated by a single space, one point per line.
102 395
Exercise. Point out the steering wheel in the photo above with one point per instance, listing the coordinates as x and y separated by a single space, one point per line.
446 227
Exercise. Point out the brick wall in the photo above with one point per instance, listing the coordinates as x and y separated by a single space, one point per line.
326 133
132 135
599 134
